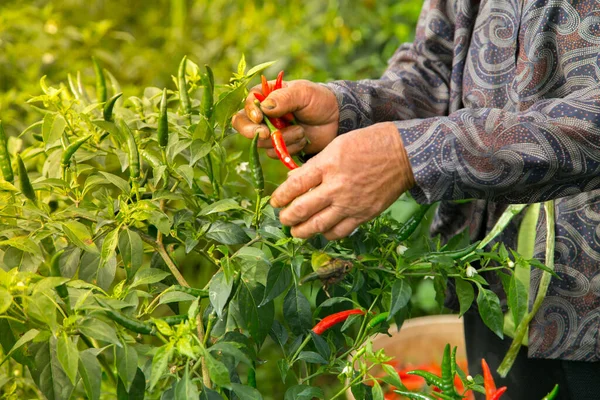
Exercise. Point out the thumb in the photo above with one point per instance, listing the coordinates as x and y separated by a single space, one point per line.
295 97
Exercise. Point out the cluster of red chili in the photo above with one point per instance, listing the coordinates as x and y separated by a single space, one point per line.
277 124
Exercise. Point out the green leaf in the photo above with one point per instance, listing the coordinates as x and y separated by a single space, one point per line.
160 362
304 392
99 330
321 345
68 356
132 251
5 300
220 206
80 236
258 320
172 297
232 349
219 291
228 105
517 299
400 296
226 233
91 373
52 129
246 392
109 245
296 311
259 68
187 173
311 357
377 392
209 394
137 389
185 388
117 181
218 372
53 380
279 279
127 360
163 327
27 337
490 311
199 150
148 276
465 293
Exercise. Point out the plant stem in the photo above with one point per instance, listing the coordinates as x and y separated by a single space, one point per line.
502 223
302 345
172 267
523 327
200 329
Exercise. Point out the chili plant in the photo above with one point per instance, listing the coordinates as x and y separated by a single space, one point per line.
138 260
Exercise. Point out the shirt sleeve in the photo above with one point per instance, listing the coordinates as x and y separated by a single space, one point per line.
416 83
549 151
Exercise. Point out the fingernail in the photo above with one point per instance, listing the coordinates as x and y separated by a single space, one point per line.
268 104
262 132
255 116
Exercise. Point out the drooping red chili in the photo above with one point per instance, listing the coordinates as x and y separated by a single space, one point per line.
335 319
280 148
279 81
491 393
266 89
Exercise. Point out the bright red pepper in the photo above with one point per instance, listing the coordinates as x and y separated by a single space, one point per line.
266 89
491 393
281 150
279 81
334 319
260 97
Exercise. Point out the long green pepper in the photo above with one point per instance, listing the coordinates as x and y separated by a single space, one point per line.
184 96
134 155
5 165
163 122
109 106
208 80
65 159
413 222
101 92
552 395
26 187
256 171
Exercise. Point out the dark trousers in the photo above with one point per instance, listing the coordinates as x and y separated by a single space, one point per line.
529 379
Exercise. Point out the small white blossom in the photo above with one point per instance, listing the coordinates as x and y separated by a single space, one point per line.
51 27
401 249
242 167
245 203
48 58
347 370
471 272
429 277
510 264
469 378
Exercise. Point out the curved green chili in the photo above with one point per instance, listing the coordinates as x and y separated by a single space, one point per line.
552 395
134 156
109 106
5 165
163 122
190 290
151 158
175 319
62 290
447 383
26 187
453 254
65 159
101 92
256 171
378 319
184 96
130 323
415 395
431 378
208 81
413 222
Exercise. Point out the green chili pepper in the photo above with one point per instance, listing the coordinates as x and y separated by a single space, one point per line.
151 158
453 254
108 107
80 86
190 290
130 323
134 156
62 290
175 319
38 137
184 96
431 378
287 230
447 384
552 395
378 319
65 160
163 122
208 80
252 376
5 165
26 187
101 92
73 87
256 171
413 222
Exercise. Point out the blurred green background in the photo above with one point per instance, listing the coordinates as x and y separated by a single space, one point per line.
142 41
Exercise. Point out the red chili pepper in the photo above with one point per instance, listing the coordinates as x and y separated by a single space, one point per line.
334 319
260 97
281 150
266 89
279 81
491 393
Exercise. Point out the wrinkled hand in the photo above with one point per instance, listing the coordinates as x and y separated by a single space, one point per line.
353 180
314 106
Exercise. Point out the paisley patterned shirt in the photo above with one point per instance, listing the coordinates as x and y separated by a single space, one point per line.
500 101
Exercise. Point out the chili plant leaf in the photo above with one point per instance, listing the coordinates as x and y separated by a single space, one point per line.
160 362
246 392
465 293
279 279
517 299
185 388
400 296
91 373
219 290
127 360
258 320
490 311
304 392
132 250
296 311
80 236
226 233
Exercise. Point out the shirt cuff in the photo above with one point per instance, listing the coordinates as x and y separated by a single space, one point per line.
351 117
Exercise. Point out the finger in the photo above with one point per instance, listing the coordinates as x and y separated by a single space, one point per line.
288 99
321 222
299 182
291 134
252 110
342 229
292 149
305 206
246 127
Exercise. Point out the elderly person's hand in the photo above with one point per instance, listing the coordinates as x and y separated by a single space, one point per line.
314 106
354 179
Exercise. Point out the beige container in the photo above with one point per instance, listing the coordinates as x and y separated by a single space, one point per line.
422 340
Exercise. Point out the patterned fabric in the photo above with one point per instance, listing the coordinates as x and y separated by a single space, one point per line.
500 101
